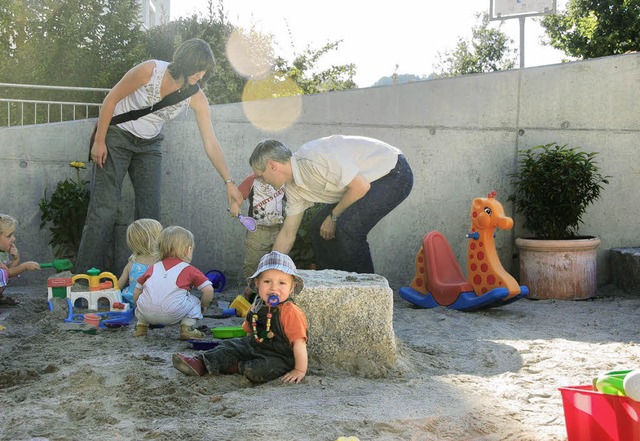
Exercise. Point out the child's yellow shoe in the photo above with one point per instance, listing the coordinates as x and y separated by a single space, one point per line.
188 333
140 330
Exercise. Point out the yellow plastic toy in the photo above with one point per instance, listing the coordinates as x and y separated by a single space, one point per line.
100 292
241 306
94 276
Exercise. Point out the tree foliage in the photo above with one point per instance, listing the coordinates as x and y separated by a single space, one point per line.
68 43
65 43
303 71
488 51
224 85
592 28
93 43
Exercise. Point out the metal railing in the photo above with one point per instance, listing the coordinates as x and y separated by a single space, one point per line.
20 111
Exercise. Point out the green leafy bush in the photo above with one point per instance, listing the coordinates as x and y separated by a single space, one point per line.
66 211
554 185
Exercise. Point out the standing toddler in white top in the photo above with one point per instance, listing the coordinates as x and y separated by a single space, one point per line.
162 295
266 206
142 240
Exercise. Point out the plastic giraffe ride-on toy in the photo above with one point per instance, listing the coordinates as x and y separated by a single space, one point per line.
104 297
439 280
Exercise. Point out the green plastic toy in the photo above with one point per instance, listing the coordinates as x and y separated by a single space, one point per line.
611 383
59 264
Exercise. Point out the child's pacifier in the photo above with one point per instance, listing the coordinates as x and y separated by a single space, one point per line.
273 300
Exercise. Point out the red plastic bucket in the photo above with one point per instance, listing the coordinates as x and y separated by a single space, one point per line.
92 319
593 416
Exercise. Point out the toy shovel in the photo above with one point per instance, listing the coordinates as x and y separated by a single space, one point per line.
59 264
248 222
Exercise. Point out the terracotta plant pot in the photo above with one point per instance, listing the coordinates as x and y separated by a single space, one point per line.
559 269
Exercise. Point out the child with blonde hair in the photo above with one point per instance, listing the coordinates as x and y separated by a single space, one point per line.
142 240
10 265
162 295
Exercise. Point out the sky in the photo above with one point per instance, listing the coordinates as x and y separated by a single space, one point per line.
376 36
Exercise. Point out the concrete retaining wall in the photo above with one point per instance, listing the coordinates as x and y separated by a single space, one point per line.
460 135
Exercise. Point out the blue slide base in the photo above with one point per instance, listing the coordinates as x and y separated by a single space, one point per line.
466 301
417 298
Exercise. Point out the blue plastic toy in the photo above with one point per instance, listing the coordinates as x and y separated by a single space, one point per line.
218 280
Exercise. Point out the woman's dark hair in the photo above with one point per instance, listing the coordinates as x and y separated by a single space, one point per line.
191 57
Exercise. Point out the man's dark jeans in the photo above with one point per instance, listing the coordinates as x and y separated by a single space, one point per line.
349 250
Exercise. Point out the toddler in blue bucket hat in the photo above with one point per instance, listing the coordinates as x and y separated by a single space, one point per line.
276 341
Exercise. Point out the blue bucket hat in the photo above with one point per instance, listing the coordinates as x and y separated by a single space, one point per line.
278 261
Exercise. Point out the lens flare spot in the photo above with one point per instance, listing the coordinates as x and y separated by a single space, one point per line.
265 111
249 54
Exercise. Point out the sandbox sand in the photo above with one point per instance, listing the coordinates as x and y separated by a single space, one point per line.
485 375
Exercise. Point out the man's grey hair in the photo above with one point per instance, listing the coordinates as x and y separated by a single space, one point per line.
269 150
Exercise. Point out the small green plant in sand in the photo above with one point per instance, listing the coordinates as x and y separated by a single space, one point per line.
65 211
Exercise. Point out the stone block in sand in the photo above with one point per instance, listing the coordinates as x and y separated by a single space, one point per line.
350 320
625 268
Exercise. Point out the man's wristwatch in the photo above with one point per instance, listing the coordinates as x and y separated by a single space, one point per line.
334 218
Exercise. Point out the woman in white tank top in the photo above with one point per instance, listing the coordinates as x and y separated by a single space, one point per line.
134 147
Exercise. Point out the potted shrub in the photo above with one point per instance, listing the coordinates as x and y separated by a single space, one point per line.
553 187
